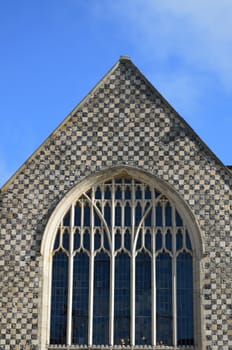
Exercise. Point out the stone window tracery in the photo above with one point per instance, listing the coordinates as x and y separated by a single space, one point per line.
122 270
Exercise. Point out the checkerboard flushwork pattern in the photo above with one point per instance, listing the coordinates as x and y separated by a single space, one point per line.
123 121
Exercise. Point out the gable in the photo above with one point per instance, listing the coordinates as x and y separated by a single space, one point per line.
121 112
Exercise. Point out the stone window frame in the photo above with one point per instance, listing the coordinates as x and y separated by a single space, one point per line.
63 207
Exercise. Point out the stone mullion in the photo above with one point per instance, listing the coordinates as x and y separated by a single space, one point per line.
70 278
174 295
91 274
132 272
112 267
153 272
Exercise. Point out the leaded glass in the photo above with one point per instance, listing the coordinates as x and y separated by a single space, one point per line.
122 299
80 299
126 234
184 299
143 299
164 317
59 298
101 299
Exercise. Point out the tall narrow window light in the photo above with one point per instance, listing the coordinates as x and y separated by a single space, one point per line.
122 270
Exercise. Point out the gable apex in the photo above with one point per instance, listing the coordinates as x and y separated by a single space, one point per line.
124 90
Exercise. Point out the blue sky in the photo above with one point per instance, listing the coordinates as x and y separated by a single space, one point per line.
54 51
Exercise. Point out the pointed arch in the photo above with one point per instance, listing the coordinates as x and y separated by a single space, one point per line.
146 199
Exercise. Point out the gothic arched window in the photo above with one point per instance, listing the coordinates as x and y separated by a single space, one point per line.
122 270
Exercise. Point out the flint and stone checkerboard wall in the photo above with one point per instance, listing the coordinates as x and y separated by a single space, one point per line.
123 121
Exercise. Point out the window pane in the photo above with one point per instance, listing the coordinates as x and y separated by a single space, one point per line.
66 240
127 239
143 300
117 240
77 220
59 299
138 214
184 300
164 299
97 240
168 239
122 300
86 215
101 299
179 221
179 241
127 215
118 215
168 215
188 242
127 193
107 214
97 220
80 299
159 215
107 193
66 221
77 240
158 240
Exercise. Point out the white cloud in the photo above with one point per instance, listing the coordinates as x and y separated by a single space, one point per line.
198 32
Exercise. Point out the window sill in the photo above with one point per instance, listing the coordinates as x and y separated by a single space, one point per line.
119 347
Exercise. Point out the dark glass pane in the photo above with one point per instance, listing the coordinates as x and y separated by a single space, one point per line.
127 193
89 193
86 240
117 240
97 240
98 193
87 215
138 214
57 240
158 241
118 193
179 240
118 216
76 240
107 193
77 219
184 300
118 181
138 193
164 299
143 300
148 219
168 239
65 240
168 215
188 242
106 241
159 215
139 241
97 220
147 193
148 240
122 300
127 240
59 299
127 214
101 299
107 214
179 221
66 220
80 299
127 181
